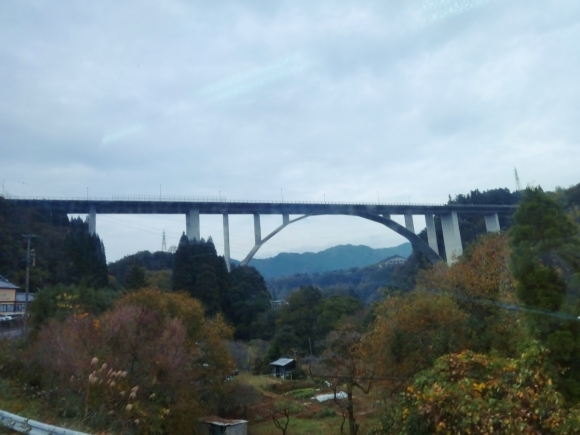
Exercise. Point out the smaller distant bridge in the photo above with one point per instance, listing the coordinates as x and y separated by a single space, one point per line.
192 208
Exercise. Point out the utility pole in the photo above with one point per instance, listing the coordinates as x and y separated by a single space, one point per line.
27 237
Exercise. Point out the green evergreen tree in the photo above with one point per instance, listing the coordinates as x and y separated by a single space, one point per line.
136 278
182 278
545 261
199 271
247 303
300 317
86 256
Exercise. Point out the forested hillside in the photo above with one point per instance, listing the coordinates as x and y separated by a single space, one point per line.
493 335
158 264
336 258
63 250
362 283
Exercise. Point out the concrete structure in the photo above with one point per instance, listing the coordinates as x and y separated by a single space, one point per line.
492 223
221 426
451 236
393 261
227 241
431 233
192 208
192 230
92 220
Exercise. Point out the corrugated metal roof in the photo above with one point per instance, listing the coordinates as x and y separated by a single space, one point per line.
281 362
5 284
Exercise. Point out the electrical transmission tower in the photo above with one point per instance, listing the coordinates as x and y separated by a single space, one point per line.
163 243
518 184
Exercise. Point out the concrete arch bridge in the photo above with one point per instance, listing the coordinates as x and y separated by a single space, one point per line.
192 208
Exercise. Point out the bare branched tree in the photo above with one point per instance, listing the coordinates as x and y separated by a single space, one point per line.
283 426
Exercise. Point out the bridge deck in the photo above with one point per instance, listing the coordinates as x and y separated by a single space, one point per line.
222 206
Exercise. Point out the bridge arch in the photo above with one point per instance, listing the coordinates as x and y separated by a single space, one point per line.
413 238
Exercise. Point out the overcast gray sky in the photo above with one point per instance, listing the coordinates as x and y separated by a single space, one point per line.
337 100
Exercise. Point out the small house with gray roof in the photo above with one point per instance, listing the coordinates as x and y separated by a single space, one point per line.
282 367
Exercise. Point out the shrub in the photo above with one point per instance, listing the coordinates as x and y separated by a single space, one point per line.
153 364
473 393
326 412
303 393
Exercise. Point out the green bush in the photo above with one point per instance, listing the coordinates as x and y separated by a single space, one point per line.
298 374
291 406
325 412
483 394
303 393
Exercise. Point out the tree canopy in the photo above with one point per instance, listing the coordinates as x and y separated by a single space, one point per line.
545 262
201 273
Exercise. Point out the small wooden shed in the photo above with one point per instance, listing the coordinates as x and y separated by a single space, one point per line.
221 426
283 366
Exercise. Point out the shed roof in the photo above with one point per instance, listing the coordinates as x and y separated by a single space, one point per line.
282 362
218 421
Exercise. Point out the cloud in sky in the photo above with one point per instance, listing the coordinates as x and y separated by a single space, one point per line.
249 80
335 100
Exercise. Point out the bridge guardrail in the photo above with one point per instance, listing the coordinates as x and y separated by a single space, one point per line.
153 198
33 427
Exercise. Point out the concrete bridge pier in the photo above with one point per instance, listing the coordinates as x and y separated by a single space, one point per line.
451 236
492 223
257 229
227 241
285 219
92 220
192 225
431 233
409 224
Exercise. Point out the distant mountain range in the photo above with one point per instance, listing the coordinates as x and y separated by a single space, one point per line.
335 258
342 257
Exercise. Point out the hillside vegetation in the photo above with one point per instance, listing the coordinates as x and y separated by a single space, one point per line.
486 345
339 257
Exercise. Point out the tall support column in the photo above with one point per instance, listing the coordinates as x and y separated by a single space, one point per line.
451 236
492 223
257 229
192 225
285 219
227 241
409 224
387 215
431 233
92 220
